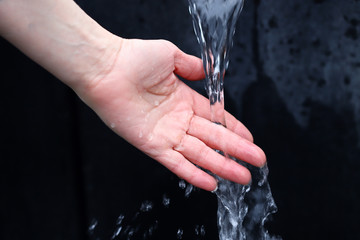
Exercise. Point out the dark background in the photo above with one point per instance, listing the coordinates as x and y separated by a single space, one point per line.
293 80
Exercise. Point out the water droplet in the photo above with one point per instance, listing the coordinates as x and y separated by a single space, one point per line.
166 200
92 226
131 233
197 230
180 233
112 125
182 184
188 190
150 137
156 103
146 206
117 232
202 230
140 134
152 228
120 219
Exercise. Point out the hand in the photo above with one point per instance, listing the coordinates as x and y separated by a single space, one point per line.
142 100
132 85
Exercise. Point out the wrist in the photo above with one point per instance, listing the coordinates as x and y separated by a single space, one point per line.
60 37
94 61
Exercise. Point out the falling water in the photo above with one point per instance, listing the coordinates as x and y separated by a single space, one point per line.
242 210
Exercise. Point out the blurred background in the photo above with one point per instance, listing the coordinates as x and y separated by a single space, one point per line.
293 80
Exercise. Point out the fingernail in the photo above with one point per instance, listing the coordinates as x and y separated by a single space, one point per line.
250 182
213 191
217 186
262 157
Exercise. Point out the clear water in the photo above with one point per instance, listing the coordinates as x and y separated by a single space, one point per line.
242 210
144 223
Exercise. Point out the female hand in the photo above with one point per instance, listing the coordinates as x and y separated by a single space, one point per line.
133 87
141 99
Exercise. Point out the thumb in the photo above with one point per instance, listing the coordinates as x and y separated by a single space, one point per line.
188 66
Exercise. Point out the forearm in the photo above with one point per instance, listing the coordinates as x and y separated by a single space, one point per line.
61 37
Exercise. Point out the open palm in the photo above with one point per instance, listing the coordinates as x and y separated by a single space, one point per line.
142 100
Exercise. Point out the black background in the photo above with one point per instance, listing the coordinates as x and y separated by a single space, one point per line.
293 80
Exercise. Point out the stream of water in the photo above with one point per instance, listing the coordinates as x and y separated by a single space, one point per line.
242 210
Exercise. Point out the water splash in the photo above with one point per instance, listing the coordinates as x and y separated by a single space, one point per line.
144 224
182 184
180 233
92 226
166 200
214 25
242 210
189 188
200 230
146 206
130 228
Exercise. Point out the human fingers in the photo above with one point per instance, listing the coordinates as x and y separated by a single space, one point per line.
221 138
202 109
184 169
188 66
202 155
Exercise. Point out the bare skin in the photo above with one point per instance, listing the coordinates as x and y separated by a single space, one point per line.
133 87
